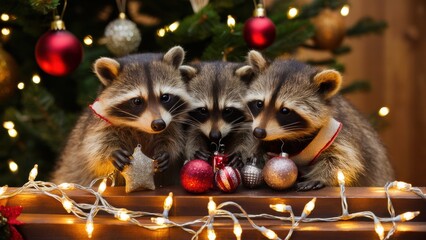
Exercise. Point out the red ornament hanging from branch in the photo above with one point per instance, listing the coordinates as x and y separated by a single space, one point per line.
58 52
259 31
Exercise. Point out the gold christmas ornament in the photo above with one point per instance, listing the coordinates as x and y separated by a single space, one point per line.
8 75
139 175
280 172
330 29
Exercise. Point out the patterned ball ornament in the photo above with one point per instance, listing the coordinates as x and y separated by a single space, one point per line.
196 176
252 175
228 179
122 36
259 31
219 160
280 172
58 52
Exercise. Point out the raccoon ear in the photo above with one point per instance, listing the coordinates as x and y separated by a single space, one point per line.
187 72
329 82
106 69
257 61
246 74
174 56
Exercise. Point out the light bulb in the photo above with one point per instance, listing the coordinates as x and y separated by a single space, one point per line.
66 186
12 132
211 235
89 227
122 215
13 166
159 220
408 216
211 206
237 230
161 32
345 10
379 229
280 207
341 177
268 233
230 22
8 125
292 13
88 40
383 111
102 186
36 78
67 204
309 206
21 85
168 202
33 173
401 185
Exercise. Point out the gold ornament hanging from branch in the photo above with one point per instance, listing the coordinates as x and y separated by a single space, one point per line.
330 29
8 74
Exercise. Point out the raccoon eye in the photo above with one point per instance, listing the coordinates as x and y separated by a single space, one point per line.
259 104
203 110
285 110
228 111
165 98
136 101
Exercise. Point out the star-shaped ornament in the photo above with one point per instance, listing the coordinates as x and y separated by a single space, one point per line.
139 174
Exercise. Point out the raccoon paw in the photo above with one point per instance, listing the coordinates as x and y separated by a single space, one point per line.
236 161
199 154
120 159
162 161
309 185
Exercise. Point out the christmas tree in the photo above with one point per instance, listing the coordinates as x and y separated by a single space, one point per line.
39 109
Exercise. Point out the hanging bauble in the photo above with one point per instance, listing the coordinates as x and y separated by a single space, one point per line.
259 31
122 36
196 176
219 160
228 179
8 74
58 52
252 175
280 172
330 29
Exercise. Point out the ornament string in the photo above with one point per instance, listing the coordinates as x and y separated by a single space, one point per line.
88 211
121 5
55 12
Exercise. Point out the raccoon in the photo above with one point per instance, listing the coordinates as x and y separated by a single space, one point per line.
218 115
296 108
142 99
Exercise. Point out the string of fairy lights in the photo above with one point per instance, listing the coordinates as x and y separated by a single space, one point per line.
88 211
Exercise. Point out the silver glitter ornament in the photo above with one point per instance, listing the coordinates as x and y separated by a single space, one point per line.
139 175
252 175
122 36
280 172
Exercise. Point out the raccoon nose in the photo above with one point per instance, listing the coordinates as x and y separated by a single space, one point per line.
215 135
158 125
259 133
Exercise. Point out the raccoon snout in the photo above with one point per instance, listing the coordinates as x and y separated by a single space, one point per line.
259 133
215 135
158 125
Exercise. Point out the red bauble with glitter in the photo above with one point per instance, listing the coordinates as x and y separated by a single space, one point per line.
228 179
58 52
259 31
196 176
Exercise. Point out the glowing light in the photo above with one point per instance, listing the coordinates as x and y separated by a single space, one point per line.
67 205
211 235
123 215
401 185
102 186
88 40
21 85
279 207
13 166
33 173
4 17
230 22
159 220
409 215
66 186
309 206
12 132
173 26
292 13
8 125
5 31
379 229
3 189
211 206
345 10
268 233
36 78
383 111
161 32
168 202
89 227
340 177
238 230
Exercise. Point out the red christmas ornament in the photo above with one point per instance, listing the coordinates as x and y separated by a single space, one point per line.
280 172
228 179
58 52
11 213
196 176
259 31
219 160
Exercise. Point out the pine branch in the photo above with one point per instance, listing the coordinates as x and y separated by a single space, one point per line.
366 25
356 86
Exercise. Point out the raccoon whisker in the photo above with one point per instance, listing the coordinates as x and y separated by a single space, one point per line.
176 106
236 120
130 115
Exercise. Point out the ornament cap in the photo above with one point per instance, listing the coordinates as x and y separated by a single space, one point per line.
284 154
57 23
259 11
122 15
